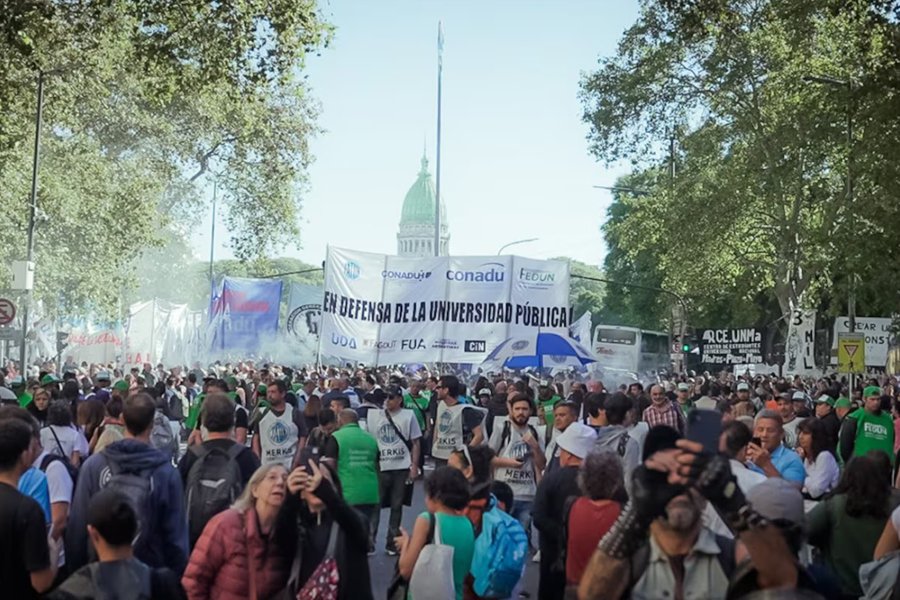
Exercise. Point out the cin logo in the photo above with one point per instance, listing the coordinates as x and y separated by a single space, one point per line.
387 435
343 341
278 433
444 423
352 270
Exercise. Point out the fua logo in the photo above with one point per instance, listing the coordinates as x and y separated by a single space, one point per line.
489 272
343 341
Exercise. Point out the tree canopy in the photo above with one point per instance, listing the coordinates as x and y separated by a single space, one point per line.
144 101
757 218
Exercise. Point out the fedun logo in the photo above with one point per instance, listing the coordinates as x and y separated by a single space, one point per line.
305 320
351 269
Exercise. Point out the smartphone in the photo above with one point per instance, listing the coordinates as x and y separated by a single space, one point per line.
756 440
308 453
704 426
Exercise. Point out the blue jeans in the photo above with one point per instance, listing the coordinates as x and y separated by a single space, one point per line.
521 512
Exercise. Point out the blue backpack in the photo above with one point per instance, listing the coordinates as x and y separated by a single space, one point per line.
500 554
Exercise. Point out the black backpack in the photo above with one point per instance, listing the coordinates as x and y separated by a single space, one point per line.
137 486
65 460
213 484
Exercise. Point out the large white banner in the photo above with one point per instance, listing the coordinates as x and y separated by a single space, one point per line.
159 331
878 334
800 345
382 309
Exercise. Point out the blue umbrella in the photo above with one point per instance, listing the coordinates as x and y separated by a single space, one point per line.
540 350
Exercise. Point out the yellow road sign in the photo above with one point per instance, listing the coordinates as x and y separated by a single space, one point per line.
851 353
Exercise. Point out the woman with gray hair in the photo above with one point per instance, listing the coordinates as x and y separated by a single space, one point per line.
590 516
237 556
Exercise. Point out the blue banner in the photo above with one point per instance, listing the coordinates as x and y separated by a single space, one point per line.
243 315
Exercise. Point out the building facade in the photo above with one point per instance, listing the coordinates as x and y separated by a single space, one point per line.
416 235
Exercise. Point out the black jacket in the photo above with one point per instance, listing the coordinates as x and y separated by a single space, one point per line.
300 530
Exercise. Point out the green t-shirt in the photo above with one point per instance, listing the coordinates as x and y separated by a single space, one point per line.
192 421
419 406
357 465
873 432
546 408
456 531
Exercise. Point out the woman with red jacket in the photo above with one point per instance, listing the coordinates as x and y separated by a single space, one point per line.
237 557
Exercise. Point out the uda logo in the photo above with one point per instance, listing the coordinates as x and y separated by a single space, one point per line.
445 421
351 269
387 434
278 433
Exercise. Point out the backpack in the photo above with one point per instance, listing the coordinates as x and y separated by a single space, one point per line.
71 469
500 553
213 483
137 486
161 436
504 437
432 576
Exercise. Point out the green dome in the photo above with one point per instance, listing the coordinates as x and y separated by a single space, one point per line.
418 206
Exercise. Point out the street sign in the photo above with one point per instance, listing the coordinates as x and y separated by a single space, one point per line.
852 353
7 311
8 333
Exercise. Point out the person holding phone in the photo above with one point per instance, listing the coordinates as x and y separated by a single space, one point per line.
770 456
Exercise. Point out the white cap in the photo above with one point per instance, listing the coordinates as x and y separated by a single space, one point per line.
683 387
706 403
578 439
484 392
799 396
743 387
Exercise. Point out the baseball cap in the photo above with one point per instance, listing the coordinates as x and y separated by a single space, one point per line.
121 385
778 499
578 439
683 387
872 390
544 383
826 399
484 392
842 403
49 378
260 389
799 397
394 391
103 376
706 403
743 387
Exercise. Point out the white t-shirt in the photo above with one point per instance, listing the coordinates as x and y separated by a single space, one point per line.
70 440
393 455
60 487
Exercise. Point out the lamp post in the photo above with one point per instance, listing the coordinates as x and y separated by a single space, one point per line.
851 292
505 246
32 214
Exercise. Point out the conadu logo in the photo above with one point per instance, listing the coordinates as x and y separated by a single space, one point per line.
415 276
489 272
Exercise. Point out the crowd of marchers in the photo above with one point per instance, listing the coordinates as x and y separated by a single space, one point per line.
240 481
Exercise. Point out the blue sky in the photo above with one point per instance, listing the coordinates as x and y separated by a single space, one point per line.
514 156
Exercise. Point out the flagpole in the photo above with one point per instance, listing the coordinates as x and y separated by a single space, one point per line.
437 185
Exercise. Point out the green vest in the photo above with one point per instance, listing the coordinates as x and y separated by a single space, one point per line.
873 432
357 465
546 407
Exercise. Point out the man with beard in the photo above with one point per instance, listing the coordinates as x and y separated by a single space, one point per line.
564 415
456 424
789 420
680 555
519 458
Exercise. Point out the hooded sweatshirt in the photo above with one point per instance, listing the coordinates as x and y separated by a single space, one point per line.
166 544
610 438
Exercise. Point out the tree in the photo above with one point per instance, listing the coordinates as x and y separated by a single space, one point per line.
143 99
757 208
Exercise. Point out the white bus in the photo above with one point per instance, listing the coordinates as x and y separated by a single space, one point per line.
631 349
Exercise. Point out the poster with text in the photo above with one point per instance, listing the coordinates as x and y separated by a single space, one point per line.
381 309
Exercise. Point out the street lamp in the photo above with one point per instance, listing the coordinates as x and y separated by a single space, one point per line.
505 246
848 85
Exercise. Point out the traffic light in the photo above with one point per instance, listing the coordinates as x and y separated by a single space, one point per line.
688 344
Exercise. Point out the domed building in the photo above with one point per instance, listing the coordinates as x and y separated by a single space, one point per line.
416 236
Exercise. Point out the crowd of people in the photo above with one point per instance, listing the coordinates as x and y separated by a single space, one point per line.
245 481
